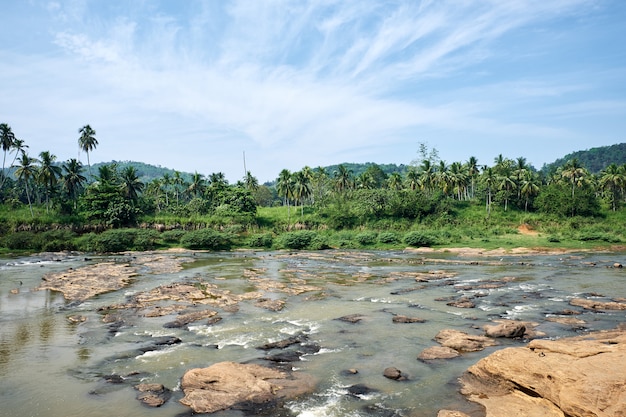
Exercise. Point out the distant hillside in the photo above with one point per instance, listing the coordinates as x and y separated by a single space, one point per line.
594 159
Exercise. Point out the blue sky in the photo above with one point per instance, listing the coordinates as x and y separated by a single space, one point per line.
192 85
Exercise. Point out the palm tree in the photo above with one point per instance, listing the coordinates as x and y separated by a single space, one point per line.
131 184
427 175
489 179
413 179
343 178
87 142
394 182
575 173
506 184
285 188
472 171
26 170
301 188
529 187
197 185
320 179
48 174
177 182
107 174
7 139
251 182
612 181
73 178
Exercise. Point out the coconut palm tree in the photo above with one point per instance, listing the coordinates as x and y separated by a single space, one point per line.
25 171
472 171
131 184
73 179
343 178
301 188
7 139
413 179
529 187
394 182
612 181
575 174
251 182
285 188
197 186
87 142
48 174
489 179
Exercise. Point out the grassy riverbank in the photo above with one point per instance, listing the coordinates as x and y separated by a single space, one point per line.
465 225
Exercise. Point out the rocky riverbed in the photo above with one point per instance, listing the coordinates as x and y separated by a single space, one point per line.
321 333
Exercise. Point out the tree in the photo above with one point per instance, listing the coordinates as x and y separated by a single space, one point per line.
73 179
472 171
7 138
27 170
285 189
87 142
489 180
197 186
131 184
394 182
250 181
575 173
413 179
301 188
48 175
612 182
529 188
343 178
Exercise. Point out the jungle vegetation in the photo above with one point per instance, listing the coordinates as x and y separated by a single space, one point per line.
50 205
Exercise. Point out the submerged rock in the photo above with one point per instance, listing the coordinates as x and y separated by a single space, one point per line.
394 373
225 385
405 319
578 376
505 328
352 318
597 304
438 352
153 395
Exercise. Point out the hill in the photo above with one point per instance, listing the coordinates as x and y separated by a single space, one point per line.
594 159
145 172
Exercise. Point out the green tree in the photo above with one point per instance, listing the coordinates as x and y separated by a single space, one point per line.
575 174
131 184
529 187
251 182
7 139
48 175
73 179
87 142
489 179
25 171
197 185
301 188
343 179
285 189
612 182
473 171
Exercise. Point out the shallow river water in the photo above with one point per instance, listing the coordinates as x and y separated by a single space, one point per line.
53 368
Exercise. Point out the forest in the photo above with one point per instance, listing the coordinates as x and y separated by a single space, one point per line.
50 205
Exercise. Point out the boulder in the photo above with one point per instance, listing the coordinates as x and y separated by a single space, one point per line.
224 385
438 352
394 373
505 328
574 377
183 320
153 395
462 302
463 342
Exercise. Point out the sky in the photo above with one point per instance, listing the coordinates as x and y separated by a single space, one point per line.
197 85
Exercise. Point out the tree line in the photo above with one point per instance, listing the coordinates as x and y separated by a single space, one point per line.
429 186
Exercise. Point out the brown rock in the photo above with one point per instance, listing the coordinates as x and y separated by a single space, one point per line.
597 304
506 328
463 342
226 384
462 302
393 373
451 413
575 377
153 395
438 352
184 319
405 319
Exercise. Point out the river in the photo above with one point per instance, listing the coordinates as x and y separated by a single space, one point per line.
52 367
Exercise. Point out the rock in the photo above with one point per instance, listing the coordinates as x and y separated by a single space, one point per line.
405 319
360 389
153 395
76 319
350 372
568 321
463 342
597 304
281 344
506 328
574 377
462 302
438 352
271 305
394 373
450 413
184 319
352 318
617 265
226 384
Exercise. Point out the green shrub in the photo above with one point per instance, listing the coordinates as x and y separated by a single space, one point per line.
172 236
297 240
367 238
115 240
319 243
206 239
57 240
21 241
388 237
265 240
419 239
146 240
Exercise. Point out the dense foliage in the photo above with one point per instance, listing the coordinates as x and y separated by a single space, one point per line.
47 205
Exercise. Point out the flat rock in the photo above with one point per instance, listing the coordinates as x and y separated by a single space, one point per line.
153 395
505 328
574 377
404 319
451 413
351 318
184 319
438 352
226 384
463 342
598 304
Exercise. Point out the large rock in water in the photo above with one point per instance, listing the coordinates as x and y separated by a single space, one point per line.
226 384
578 376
